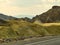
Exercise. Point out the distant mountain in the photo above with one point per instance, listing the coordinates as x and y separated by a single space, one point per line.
5 17
52 15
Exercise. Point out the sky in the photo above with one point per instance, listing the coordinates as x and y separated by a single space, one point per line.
26 7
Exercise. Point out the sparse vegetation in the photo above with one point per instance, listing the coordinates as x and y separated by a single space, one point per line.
24 29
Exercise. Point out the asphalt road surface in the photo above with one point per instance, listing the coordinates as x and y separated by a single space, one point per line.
55 41
41 41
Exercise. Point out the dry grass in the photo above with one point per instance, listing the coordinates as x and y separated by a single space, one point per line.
48 24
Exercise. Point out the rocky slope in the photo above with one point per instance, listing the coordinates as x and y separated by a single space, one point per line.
52 15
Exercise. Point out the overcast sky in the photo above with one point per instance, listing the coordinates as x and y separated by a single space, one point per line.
26 7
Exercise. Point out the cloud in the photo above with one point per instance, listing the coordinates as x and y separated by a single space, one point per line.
26 7
25 3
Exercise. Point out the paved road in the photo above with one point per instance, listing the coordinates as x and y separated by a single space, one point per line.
41 41
55 41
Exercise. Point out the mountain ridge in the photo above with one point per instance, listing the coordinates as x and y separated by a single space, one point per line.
52 15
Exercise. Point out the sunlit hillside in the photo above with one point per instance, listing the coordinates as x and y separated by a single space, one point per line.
48 24
23 29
